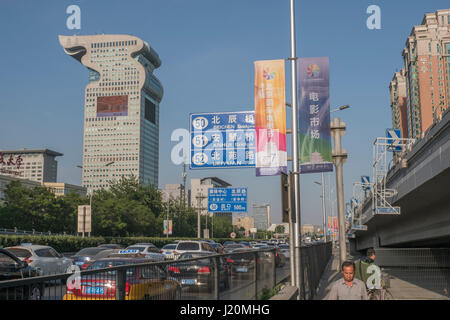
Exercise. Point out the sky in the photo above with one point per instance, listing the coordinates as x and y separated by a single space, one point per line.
208 49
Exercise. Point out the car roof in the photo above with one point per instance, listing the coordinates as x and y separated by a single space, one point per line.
203 253
126 259
192 241
30 247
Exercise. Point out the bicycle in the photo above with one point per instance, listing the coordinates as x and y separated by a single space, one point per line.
383 293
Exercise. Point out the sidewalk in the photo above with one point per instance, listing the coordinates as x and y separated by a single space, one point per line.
331 274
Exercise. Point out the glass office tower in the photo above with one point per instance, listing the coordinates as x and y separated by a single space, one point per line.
121 111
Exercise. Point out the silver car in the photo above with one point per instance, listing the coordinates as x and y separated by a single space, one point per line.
168 250
149 250
284 248
44 258
191 246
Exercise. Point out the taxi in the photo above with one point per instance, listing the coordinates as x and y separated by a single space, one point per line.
142 283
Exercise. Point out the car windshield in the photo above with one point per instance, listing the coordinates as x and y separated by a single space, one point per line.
169 246
140 249
110 246
6 261
245 256
21 253
189 255
89 251
188 246
112 263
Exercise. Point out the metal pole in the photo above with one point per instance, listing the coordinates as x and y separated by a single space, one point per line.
339 157
198 217
324 213
92 211
297 223
291 233
84 220
167 234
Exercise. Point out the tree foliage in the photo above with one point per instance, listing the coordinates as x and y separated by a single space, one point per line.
126 209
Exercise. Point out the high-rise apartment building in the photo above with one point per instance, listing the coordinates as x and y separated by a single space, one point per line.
427 71
397 88
121 111
261 216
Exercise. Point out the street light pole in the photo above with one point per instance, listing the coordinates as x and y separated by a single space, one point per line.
339 157
297 223
324 213
323 206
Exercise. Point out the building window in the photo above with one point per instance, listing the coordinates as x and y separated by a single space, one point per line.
150 111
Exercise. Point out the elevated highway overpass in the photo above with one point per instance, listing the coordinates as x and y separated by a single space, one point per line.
422 180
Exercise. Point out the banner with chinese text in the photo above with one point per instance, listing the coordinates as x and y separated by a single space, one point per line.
314 115
270 118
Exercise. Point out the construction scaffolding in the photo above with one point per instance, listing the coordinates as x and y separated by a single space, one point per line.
381 195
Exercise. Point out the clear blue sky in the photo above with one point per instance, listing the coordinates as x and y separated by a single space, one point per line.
207 48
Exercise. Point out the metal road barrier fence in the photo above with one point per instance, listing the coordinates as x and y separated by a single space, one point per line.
314 261
16 231
242 275
416 273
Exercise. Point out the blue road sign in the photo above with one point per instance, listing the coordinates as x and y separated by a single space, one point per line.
354 203
394 136
388 210
359 227
222 140
227 199
365 182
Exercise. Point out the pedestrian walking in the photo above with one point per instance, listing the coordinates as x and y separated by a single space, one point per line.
348 288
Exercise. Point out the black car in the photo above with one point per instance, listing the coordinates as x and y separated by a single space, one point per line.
242 262
199 273
83 257
231 247
12 268
111 246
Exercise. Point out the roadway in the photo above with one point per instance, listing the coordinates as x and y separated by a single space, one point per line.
241 288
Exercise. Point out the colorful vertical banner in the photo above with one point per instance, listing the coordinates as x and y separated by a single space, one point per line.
270 118
333 227
167 227
314 115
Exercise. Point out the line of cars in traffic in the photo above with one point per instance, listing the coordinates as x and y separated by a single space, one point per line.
157 281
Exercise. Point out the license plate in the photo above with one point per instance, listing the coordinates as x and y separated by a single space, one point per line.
241 269
188 281
94 290
79 263
168 252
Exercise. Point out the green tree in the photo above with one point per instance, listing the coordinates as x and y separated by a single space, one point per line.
128 208
279 229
